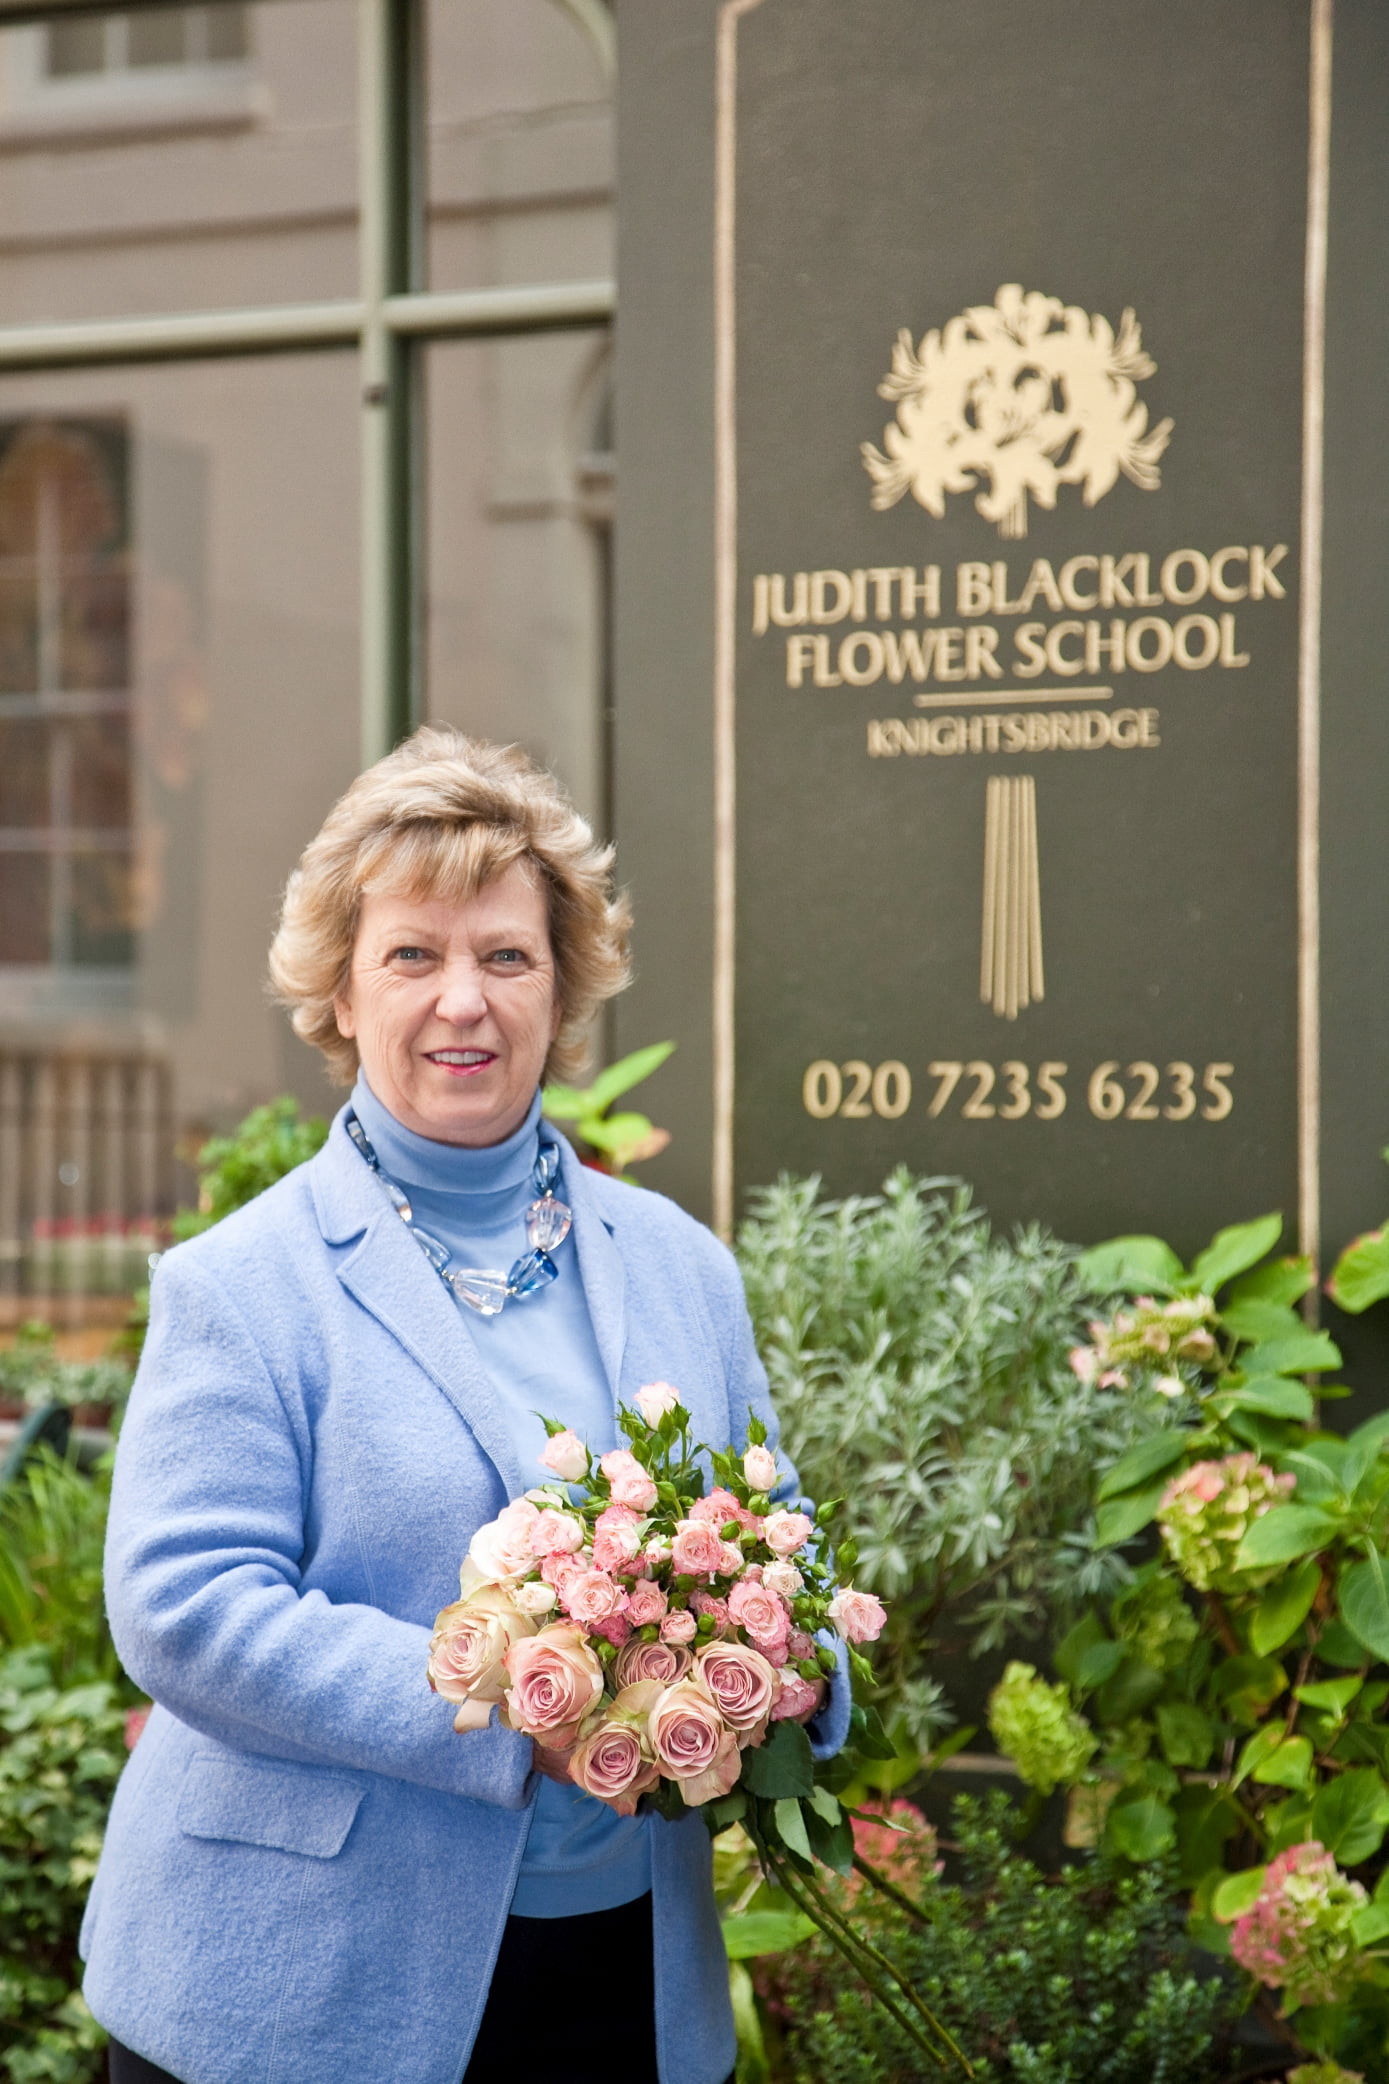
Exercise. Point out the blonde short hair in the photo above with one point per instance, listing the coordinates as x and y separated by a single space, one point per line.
440 817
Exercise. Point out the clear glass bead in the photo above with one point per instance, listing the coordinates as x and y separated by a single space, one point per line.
480 1288
547 1224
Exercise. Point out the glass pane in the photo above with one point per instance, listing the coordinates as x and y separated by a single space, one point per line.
519 504
178 709
208 159
520 146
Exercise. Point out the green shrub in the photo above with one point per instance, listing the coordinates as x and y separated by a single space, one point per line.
920 1366
32 1372
61 1751
1086 1978
52 1533
233 1169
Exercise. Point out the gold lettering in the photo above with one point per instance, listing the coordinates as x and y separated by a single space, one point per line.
1113 592
800 653
1070 593
948 665
1201 577
1030 643
872 646
787 618
858 595
1209 632
1228 654
926 590
1015 733
1041 580
1262 584
1113 644
1144 598
1002 604
877 744
823 675
1220 585
880 579
821 608
1065 668
1123 727
1133 643
759 605
907 652
981 644
1147 731
972 589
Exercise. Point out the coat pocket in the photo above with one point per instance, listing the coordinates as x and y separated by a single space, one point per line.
253 1802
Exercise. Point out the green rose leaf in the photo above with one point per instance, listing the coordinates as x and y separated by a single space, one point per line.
1119 1519
1284 1606
790 1825
1350 1815
1233 1251
1143 1463
1237 1894
831 1842
755 1932
1130 1264
1361 1274
782 1769
1187 1735
1142 1830
1364 1598
1282 1534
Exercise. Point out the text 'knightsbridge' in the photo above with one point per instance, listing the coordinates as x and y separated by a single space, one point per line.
1197 590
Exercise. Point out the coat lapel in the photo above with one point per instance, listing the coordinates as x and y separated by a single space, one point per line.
389 1276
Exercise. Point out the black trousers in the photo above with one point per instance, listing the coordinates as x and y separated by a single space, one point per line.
540 2018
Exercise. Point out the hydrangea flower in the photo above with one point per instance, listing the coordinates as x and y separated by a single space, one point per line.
1035 1726
1153 1615
1297 1936
1206 1513
1149 1335
1324 2073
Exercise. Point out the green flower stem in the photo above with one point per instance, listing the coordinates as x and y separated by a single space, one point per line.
890 1889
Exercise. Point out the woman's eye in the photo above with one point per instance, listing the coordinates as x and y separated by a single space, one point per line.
408 955
508 957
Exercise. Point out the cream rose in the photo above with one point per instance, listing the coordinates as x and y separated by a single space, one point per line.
858 1616
785 1532
555 1681
655 1400
469 1645
637 1661
556 1531
535 1599
783 1578
741 1684
566 1454
502 1549
759 1468
692 1743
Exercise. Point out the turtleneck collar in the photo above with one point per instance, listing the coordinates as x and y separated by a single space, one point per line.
446 1168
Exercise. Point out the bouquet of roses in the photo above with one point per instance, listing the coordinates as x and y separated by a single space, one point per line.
663 1642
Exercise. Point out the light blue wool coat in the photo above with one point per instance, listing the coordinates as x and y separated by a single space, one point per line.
307 1871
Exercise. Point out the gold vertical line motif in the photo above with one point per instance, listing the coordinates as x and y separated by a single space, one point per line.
725 601
1010 954
1309 639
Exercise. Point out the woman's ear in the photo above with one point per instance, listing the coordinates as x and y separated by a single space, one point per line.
342 1013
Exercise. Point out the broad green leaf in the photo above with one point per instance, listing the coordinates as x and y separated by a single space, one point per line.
614 1132
1370 1923
825 1804
755 1932
1318 1465
1142 1830
1118 1519
1124 1264
1206 1820
1275 1396
1301 1353
1283 1533
1147 1459
1255 1317
1332 1696
628 1071
1350 1814
1284 1607
1097 1664
1237 1894
1365 1449
1336 1645
1288 1823
1186 1733
833 1843
1249 1685
563 1103
1364 1601
1134 1687
782 1767
1282 1281
1257 1748
791 1825
1289 1764
1361 1274
1087 1633
1234 1251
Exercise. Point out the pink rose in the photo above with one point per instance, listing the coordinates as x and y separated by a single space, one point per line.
610 1764
616 1538
678 1627
732 1559
799 1698
628 1481
566 1454
692 1744
719 1507
468 1648
799 1644
638 1661
784 1532
759 1468
560 1570
697 1550
135 1721
858 1616
556 1530
646 1603
716 1609
654 1400
591 1597
759 1612
615 1629
555 1681
502 1549
740 1683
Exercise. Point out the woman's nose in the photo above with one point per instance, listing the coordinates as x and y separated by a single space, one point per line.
461 1000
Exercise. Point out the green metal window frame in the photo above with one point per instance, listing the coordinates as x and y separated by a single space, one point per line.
387 324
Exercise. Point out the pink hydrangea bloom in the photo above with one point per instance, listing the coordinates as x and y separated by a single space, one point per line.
1298 1935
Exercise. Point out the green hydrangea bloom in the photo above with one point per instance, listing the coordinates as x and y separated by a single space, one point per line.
1035 1726
1207 1512
1324 2073
1155 1618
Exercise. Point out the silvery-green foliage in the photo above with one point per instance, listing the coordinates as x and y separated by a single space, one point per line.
920 1367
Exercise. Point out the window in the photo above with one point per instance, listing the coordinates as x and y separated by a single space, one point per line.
86 44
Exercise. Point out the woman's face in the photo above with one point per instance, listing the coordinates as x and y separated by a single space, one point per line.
453 1007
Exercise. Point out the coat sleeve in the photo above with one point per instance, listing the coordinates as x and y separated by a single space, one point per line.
203 1582
750 1395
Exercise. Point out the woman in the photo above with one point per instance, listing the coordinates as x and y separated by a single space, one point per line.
309 1877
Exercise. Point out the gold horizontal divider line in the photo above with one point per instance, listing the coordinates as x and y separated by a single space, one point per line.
1014 694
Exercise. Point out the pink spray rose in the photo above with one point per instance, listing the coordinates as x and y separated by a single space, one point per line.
718 1507
678 1627
469 1645
785 1532
741 1684
560 1570
798 1698
799 1644
858 1616
761 1614
567 1456
629 1482
646 1602
717 1610
616 1538
552 1531
759 1468
592 1597
654 1400
697 1550
663 1661
555 1681
692 1743
616 1629
502 1549
610 1764
784 1578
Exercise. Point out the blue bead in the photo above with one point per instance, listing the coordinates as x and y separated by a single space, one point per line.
532 1273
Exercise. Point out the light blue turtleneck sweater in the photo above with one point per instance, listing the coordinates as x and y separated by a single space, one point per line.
542 1356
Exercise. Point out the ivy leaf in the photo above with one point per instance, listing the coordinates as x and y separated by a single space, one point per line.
1142 1830
1350 1815
1147 1459
1284 1607
1361 1274
1120 1518
1364 1599
1233 1251
756 1932
1130 1264
781 1769
1283 1533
